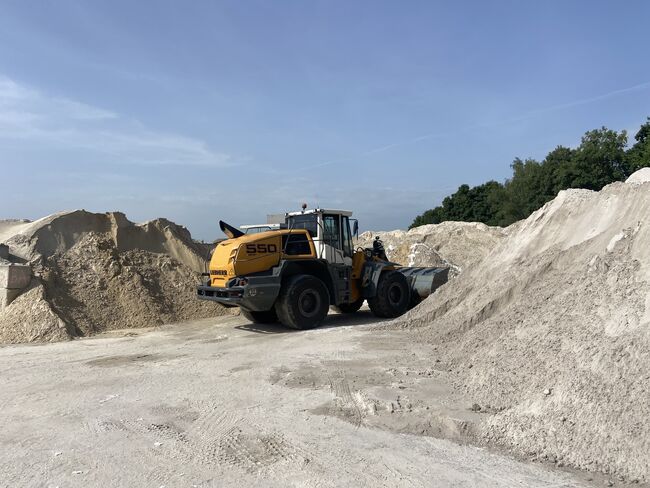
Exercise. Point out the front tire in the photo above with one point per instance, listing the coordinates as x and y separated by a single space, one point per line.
266 317
393 295
303 302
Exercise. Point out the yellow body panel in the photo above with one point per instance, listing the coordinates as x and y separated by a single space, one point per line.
251 253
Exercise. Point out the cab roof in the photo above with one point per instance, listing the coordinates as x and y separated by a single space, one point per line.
346 213
259 226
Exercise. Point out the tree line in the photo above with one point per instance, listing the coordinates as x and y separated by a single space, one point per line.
602 157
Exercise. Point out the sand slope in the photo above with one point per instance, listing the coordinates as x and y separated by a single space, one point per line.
550 333
96 272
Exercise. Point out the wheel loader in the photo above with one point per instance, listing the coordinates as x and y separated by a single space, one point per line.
294 274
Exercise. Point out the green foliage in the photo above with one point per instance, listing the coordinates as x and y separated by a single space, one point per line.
477 204
601 158
638 156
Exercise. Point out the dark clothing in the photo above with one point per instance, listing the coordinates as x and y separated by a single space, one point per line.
378 250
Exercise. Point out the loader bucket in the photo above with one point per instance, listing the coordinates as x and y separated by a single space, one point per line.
424 281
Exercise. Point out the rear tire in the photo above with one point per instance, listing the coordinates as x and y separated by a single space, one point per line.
393 295
266 317
349 307
303 302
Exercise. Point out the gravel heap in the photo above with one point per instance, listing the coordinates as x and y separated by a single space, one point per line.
458 245
97 272
550 335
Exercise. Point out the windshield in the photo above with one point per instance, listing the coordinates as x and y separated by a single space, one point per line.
308 222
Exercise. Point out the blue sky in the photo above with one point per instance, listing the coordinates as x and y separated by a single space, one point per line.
200 111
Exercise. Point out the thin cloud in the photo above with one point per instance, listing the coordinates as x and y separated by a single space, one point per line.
19 99
526 116
586 101
31 116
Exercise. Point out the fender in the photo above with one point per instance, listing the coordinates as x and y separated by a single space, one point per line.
370 276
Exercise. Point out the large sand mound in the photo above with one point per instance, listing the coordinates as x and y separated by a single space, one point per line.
96 272
550 334
458 245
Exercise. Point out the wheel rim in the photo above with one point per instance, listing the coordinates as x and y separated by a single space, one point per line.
309 303
395 294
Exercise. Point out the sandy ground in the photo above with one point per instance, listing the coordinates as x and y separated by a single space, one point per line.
220 402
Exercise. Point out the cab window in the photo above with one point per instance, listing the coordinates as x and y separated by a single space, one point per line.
347 237
308 222
332 231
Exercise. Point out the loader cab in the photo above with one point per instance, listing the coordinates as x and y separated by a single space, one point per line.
330 230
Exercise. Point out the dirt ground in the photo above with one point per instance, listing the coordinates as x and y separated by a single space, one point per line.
221 402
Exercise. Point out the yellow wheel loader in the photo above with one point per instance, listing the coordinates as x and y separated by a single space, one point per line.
293 275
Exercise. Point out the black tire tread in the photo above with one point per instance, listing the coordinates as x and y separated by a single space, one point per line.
379 304
285 304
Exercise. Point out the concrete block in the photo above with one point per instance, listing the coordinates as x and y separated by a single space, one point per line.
15 276
7 296
4 251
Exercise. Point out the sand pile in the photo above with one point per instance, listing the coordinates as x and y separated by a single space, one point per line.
454 244
550 334
30 318
96 272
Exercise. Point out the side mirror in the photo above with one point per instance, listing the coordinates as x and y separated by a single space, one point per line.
355 228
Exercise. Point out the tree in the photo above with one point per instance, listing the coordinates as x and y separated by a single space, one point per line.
477 204
524 192
638 156
433 216
558 164
600 159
